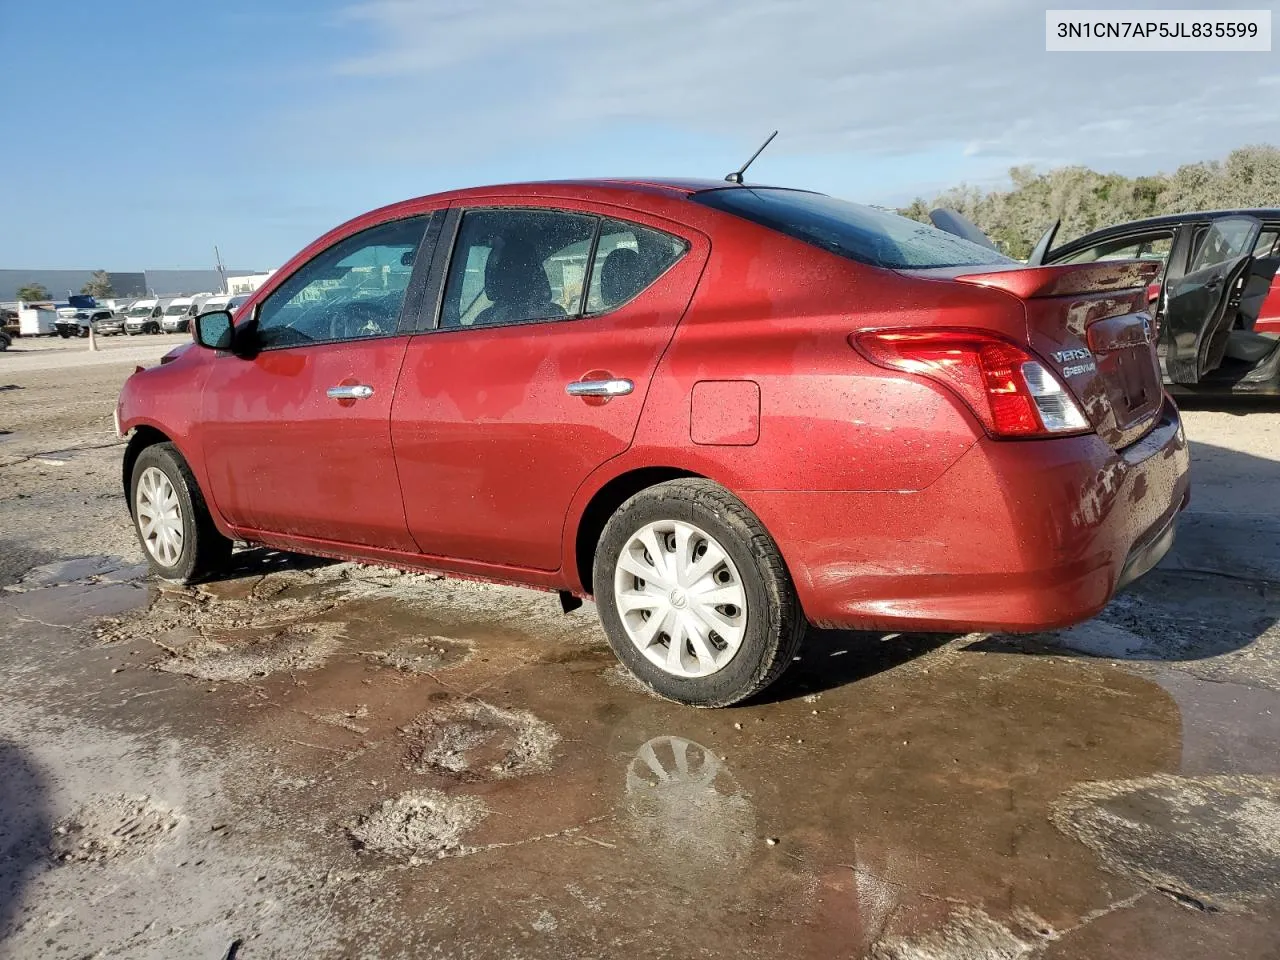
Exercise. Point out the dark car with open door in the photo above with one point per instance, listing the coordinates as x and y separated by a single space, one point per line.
1216 312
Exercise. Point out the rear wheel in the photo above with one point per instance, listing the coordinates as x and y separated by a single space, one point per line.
694 596
171 518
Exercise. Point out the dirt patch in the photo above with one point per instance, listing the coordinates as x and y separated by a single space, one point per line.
110 827
1212 843
419 826
423 654
300 646
346 719
474 740
970 934
619 676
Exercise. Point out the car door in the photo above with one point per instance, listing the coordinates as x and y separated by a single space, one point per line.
296 422
1200 302
549 327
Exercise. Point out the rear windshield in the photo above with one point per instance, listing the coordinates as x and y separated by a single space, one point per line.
851 230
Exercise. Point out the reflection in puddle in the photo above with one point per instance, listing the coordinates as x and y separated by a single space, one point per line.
684 805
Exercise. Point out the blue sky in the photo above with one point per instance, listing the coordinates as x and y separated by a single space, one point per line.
149 131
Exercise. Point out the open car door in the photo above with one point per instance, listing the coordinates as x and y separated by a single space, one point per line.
1201 305
1041 249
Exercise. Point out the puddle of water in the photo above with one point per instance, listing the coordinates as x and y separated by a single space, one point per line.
72 604
1212 843
104 569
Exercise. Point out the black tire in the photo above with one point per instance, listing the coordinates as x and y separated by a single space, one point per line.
204 549
775 624
65 334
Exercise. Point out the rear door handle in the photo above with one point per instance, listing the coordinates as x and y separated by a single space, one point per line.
600 388
357 391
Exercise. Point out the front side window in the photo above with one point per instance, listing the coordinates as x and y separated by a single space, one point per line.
512 266
865 234
353 290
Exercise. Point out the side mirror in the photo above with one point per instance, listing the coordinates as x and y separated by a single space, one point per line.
214 330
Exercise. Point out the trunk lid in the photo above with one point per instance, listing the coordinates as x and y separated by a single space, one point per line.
1089 323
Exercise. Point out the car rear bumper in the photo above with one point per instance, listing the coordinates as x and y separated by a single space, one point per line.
1023 536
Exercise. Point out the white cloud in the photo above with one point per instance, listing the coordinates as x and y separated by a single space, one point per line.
834 77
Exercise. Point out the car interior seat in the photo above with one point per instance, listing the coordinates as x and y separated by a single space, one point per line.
517 286
621 277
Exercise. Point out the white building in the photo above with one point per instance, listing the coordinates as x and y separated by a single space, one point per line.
248 283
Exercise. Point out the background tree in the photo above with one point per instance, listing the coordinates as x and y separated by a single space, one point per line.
99 285
1085 200
32 292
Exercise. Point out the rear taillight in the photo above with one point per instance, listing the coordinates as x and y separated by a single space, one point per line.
1009 390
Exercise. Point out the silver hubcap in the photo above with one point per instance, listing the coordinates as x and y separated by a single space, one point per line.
680 598
159 515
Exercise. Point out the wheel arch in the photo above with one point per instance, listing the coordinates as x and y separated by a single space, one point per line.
143 436
604 503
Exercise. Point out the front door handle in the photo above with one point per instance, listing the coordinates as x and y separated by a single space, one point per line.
600 388
357 391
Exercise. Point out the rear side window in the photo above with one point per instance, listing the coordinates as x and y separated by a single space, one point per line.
628 258
850 230
513 265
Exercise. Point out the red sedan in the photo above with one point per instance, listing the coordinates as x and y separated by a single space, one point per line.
723 411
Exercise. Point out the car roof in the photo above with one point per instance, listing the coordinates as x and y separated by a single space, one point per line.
615 189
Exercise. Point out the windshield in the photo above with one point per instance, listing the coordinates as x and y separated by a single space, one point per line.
140 311
176 309
211 305
850 230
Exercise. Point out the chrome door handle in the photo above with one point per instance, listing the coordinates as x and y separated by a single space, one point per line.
357 392
600 388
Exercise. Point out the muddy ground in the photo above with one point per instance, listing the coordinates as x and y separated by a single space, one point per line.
335 760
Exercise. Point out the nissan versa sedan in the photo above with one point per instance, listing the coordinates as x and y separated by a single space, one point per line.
722 411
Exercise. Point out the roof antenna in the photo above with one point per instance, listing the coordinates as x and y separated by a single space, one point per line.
736 176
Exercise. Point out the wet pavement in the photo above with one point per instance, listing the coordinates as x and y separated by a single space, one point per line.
336 760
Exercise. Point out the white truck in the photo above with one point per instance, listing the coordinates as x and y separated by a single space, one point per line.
178 314
144 316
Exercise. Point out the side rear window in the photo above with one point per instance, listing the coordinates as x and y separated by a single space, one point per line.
865 234
514 265
628 259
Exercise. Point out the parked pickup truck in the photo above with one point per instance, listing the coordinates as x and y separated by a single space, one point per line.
75 321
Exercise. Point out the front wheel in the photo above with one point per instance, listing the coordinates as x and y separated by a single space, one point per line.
694 596
171 518
65 334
